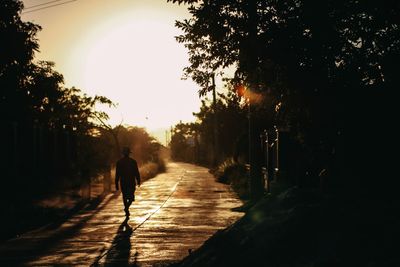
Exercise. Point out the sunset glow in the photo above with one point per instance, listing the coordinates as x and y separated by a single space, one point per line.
125 51
138 63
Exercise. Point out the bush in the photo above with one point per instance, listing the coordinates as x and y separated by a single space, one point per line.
235 174
151 169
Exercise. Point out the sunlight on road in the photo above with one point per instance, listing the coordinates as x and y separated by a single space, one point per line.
174 213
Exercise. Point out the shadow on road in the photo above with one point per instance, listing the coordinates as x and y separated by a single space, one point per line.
119 253
37 249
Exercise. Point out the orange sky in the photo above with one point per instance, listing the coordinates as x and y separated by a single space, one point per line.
122 49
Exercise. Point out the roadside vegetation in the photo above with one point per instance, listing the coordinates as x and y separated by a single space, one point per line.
55 139
312 101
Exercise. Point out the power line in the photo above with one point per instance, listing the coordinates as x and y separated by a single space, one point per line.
43 4
38 9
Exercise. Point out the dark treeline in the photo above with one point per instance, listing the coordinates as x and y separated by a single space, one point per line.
322 72
194 142
53 138
46 127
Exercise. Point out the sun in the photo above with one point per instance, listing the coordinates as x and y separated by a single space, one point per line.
136 62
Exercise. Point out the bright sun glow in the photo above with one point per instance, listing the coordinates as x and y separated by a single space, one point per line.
124 50
137 63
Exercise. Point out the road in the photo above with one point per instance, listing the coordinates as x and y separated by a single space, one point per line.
174 213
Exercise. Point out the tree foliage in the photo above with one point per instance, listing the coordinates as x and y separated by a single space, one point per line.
319 65
60 128
144 147
183 142
231 115
18 45
194 142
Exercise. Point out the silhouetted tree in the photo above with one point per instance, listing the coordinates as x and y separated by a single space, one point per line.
183 142
318 63
18 45
54 125
232 117
144 147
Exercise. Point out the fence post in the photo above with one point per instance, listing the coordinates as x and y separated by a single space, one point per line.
107 180
15 147
263 168
68 148
86 187
268 180
34 147
277 152
54 152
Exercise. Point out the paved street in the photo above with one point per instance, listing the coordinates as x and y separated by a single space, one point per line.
174 213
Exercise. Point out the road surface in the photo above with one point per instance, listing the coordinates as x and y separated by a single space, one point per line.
174 213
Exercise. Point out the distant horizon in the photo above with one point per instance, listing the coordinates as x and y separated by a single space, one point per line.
160 136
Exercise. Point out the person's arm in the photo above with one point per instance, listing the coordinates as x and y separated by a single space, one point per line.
137 174
117 176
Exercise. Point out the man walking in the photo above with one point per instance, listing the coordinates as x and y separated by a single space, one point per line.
127 175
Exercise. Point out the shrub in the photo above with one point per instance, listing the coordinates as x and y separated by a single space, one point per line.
235 174
151 169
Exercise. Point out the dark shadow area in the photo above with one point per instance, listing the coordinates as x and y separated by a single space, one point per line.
10 257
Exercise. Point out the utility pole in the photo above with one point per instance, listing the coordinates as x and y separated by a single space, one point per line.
255 153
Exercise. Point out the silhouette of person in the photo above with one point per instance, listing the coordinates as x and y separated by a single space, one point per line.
127 175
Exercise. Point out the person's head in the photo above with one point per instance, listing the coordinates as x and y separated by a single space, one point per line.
126 151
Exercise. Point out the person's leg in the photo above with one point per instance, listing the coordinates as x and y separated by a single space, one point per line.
126 206
128 202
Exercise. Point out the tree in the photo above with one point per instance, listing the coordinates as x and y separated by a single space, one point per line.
183 142
56 126
144 147
312 60
232 116
18 45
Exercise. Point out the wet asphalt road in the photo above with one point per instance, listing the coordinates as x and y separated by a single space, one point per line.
175 212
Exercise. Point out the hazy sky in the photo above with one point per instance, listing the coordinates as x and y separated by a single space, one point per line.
122 49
